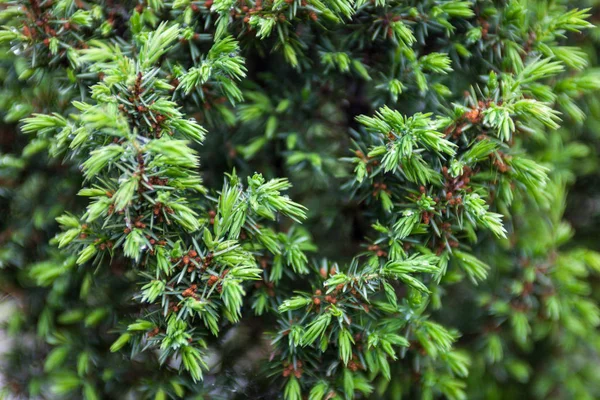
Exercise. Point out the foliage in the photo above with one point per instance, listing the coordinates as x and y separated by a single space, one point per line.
298 199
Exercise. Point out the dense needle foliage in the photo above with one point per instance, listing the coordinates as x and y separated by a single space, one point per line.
299 199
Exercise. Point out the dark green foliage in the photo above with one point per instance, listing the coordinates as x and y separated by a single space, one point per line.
299 199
